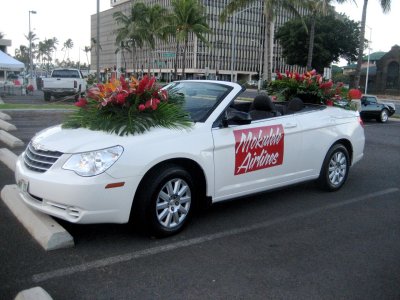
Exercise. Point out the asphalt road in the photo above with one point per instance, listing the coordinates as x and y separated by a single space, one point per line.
295 243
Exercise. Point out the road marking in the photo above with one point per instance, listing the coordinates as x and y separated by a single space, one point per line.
101 263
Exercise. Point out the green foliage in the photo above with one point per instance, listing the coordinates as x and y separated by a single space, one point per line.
129 109
334 38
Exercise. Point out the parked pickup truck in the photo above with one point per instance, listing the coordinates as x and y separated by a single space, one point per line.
64 82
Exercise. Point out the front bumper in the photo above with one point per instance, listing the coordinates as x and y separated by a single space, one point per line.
65 195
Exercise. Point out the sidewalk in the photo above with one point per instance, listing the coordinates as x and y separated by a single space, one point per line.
36 97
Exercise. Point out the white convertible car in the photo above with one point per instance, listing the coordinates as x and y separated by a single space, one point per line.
234 148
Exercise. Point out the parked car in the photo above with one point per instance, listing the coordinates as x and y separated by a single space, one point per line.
371 108
158 178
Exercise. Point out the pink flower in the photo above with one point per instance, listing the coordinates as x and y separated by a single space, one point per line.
141 107
164 95
121 98
81 103
329 102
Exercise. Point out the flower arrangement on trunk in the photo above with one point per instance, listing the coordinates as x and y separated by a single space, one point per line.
124 108
311 87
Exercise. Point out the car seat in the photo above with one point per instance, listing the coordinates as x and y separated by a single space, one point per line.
262 108
294 105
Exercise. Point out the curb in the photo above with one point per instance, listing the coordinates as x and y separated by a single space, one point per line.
44 229
10 140
4 116
7 126
35 293
8 158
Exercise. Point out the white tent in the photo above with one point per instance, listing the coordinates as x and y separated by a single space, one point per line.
7 63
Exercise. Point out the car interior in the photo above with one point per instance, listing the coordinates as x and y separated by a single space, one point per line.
263 107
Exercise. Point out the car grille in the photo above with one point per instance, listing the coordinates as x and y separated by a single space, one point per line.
40 160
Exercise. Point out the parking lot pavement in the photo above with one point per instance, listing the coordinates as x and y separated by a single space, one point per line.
296 243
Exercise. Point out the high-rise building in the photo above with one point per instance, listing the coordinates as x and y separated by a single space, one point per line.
234 51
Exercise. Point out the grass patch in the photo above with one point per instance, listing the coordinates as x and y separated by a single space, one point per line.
6 106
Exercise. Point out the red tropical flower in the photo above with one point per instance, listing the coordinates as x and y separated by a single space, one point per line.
81 103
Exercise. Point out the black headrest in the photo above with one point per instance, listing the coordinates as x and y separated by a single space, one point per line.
263 102
295 104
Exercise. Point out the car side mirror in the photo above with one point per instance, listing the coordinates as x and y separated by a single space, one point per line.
235 117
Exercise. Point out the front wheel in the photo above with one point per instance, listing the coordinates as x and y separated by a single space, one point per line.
47 96
335 168
384 116
165 201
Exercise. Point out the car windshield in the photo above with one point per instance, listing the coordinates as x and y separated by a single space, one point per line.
200 98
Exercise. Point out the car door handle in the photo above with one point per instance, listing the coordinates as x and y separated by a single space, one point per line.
290 125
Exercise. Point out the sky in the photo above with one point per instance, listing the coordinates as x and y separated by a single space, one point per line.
63 19
71 19
382 28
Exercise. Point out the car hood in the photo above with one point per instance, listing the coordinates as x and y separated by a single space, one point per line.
78 140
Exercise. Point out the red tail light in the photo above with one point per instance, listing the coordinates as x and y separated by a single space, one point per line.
75 84
361 122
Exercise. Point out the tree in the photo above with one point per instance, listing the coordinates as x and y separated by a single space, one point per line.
68 44
385 5
187 16
87 49
22 54
31 37
335 37
316 8
131 32
271 8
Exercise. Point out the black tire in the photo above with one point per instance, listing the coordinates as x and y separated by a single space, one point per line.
383 116
335 169
158 207
47 96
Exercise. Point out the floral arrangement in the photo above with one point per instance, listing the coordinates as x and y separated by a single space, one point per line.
311 87
30 88
128 107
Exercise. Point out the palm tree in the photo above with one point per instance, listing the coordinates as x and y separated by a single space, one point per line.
385 5
187 17
31 37
131 33
49 46
68 44
22 54
155 26
316 8
271 7
87 49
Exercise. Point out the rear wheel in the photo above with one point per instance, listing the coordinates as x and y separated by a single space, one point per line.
384 116
165 201
335 168
47 96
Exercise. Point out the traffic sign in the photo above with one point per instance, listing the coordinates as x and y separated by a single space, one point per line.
168 54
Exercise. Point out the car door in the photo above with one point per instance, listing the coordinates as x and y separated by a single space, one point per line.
370 108
257 156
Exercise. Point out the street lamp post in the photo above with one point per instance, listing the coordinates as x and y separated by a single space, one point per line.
233 56
369 52
98 41
260 66
30 44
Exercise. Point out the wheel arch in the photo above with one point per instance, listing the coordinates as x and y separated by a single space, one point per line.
191 166
347 144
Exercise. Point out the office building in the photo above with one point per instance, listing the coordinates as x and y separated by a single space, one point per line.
235 49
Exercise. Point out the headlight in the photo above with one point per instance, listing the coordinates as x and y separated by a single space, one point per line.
94 162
